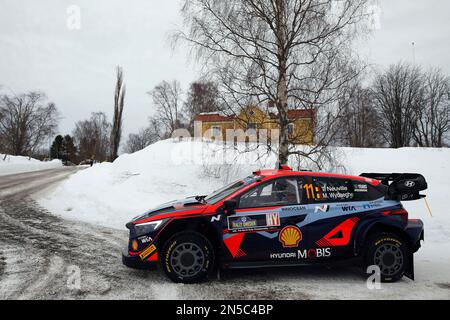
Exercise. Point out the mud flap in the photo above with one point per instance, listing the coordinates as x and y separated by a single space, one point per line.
409 272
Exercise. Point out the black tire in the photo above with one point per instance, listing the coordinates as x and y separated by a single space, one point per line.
390 253
188 257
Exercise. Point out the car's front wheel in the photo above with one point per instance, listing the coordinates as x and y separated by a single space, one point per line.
388 252
188 257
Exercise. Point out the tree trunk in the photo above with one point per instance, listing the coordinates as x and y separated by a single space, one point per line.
282 103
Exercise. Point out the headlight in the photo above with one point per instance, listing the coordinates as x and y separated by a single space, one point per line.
147 227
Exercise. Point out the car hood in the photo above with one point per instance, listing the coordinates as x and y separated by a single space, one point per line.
175 207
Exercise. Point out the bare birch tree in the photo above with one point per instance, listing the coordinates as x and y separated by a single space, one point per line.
116 131
167 101
399 94
360 121
433 116
142 139
26 122
294 53
93 137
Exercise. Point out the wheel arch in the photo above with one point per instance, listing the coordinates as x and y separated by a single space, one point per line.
199 224
366 230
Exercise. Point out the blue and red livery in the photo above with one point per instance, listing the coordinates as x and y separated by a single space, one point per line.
283 218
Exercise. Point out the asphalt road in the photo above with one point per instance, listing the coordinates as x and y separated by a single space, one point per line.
43 256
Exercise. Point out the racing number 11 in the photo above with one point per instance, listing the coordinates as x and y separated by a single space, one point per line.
311 192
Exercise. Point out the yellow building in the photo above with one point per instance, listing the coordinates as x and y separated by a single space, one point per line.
262 124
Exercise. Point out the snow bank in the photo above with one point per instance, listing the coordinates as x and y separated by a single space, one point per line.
19 164
110 194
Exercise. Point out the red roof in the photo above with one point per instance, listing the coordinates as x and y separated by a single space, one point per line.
292 115
213 117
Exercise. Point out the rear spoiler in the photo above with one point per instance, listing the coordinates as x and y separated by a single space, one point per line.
401 186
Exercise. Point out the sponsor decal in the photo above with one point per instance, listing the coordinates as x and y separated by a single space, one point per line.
361 187
145 239
283 255
409 184
322 208
348 208
297 208
244 222
303 254
150 249
314 253
216 218
273 219
253 222
290 236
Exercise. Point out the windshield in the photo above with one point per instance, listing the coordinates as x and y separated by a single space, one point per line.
224 192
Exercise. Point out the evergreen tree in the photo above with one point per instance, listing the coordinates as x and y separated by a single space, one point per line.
57 147
70 149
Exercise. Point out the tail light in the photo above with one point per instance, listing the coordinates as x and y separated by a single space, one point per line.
397 212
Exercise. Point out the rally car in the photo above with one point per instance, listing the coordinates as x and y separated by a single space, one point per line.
283 218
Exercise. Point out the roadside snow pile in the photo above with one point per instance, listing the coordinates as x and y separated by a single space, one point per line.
110 194
19 164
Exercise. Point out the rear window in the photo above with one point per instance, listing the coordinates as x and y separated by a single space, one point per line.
366 192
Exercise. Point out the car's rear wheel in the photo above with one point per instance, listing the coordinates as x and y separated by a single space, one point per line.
188 257
388 252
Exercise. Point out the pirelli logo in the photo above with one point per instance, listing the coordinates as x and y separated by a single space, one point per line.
148 251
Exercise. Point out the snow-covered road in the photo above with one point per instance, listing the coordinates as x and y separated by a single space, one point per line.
42 256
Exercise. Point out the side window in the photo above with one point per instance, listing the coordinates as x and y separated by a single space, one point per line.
329 190
365 192
275 193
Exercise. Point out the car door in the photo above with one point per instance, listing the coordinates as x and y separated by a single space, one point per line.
332 215
264 225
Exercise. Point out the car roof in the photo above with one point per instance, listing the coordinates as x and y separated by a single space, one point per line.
274 173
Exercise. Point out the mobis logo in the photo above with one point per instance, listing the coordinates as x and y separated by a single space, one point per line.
322 208
303 254
314 253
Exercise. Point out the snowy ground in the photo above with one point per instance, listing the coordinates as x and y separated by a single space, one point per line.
19 164
111 194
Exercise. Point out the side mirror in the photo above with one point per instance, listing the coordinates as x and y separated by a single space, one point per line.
230 205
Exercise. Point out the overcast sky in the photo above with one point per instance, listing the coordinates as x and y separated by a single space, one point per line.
76 67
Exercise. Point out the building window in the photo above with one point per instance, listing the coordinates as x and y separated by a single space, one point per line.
290 128
216 130
251 126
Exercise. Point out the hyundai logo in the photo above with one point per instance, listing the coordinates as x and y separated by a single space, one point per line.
410 184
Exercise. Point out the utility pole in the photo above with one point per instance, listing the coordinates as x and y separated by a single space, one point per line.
414 52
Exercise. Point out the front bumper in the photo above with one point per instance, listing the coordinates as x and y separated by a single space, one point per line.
135 262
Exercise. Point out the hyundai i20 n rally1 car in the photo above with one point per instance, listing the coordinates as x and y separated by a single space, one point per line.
283 218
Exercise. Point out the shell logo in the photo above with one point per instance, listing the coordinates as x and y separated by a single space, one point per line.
290 236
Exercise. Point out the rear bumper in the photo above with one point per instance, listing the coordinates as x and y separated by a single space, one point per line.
415 232
135 262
